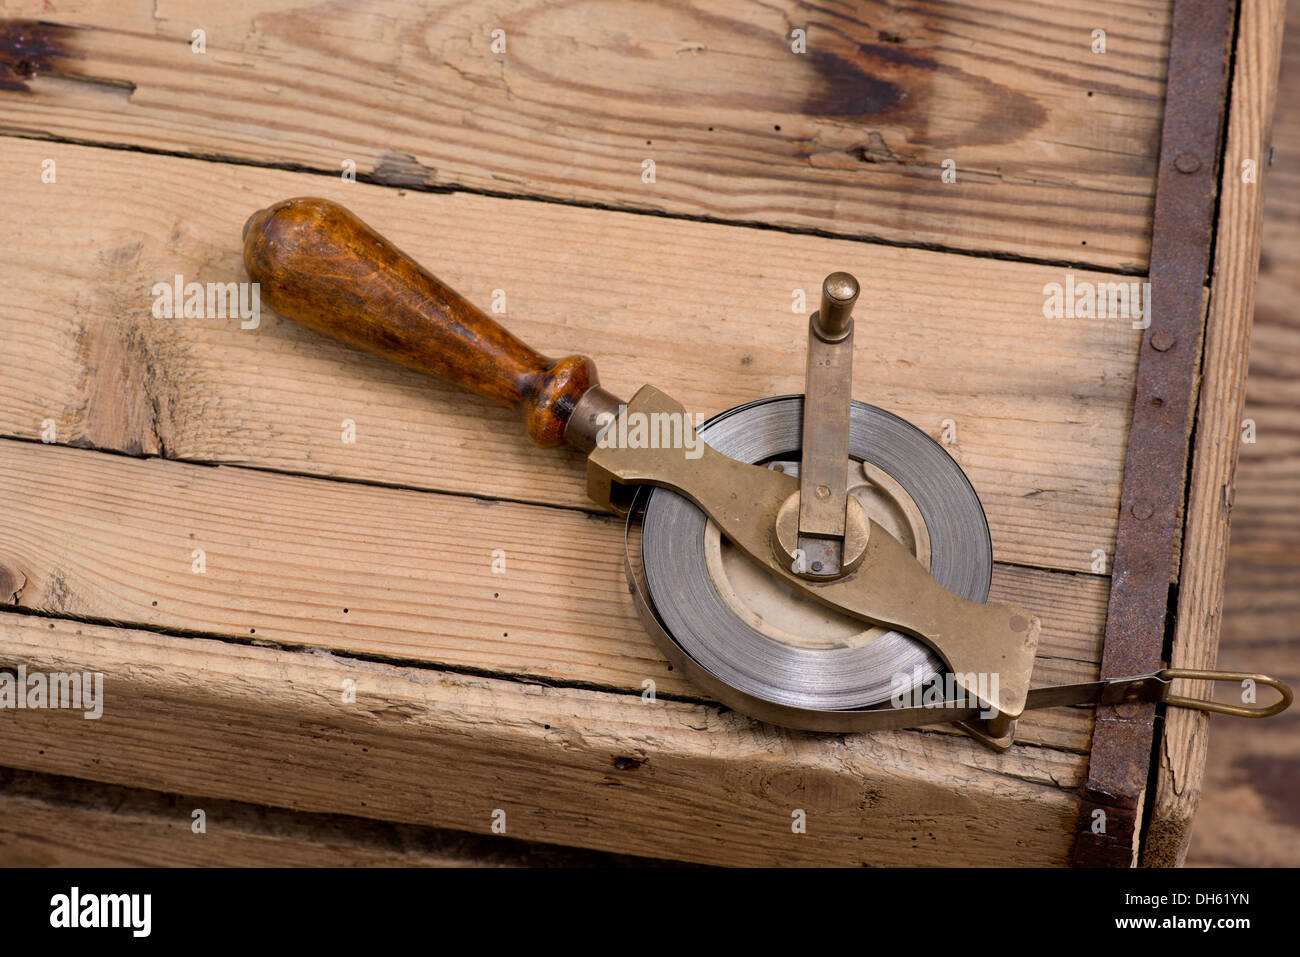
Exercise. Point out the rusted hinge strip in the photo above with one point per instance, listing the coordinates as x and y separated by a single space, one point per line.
1149 535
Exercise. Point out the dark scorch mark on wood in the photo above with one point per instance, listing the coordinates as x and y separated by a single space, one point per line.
882 81
29 48
34 48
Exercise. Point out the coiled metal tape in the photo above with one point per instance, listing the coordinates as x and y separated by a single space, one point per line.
685 599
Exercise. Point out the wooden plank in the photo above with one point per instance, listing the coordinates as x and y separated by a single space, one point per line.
1268 479
1218 426
1149 540
48 821
1054 144
665 779
1263 507
1039 406
1246 815
391 573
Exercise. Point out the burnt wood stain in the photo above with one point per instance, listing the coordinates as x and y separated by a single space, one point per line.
852 72
33 48
848 83
849 71
29 48
885 82
859 85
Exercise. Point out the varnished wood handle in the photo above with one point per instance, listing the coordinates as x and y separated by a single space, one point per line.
321 266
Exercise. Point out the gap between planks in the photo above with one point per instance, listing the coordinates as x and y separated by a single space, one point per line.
1135 271
1054 143
661 779
53 821
1180 756
391 573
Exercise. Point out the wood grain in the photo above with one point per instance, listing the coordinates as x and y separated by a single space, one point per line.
426 747
48 821
391 573
1247 814
1039 406
1218 427
1054 144
1264 513
1055 148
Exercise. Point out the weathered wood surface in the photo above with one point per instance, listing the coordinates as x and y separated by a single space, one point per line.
1248 813
1218 424
1039 406
105 536
48 821
1264 515
389 572
1054 145
667 779
541 667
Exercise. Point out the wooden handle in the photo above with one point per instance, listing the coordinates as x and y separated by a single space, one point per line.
321 266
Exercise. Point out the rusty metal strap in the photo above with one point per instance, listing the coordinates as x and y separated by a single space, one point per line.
1149 536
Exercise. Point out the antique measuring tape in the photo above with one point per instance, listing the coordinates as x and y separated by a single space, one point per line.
812 561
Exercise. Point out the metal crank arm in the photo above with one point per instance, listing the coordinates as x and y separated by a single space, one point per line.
888 588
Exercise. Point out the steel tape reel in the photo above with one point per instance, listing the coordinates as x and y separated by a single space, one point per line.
698 620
